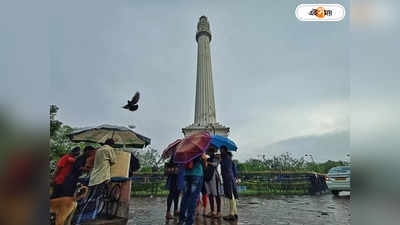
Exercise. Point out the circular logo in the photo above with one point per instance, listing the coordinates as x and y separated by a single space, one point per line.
320 12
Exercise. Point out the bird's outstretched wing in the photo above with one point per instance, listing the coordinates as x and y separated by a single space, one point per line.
135 98
132 104
133 108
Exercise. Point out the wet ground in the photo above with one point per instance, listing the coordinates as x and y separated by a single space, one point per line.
324 209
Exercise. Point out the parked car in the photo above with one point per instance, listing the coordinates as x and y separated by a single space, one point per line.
338 179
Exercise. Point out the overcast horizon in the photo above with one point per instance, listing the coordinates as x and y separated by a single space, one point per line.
276 79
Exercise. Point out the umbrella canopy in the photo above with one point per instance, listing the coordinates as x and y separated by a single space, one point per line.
191 147
219 141
122 136
170 149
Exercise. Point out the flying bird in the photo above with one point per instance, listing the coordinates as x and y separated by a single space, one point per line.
132 104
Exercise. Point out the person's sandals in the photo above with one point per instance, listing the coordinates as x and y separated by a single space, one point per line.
218 215
210 214
230 217
168 216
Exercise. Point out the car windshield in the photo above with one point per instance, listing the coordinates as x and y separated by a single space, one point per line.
340 169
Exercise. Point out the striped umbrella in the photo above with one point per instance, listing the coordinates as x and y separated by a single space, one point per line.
122 136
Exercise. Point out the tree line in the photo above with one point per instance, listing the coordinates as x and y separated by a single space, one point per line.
150 157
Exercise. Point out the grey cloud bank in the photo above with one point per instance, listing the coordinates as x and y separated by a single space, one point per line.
274 77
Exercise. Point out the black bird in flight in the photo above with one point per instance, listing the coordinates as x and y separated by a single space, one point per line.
132 104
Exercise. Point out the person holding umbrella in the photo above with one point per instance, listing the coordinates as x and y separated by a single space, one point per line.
175 189
190 154
193 185
228 171
229 182
175 180
213 183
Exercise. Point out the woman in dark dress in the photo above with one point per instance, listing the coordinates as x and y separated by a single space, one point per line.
229 183
78 167
173 195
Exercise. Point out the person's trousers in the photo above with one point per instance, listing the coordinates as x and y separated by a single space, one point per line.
218 200
173 197
192 190
232 206
205 199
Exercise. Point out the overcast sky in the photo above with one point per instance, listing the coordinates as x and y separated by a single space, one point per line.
275 78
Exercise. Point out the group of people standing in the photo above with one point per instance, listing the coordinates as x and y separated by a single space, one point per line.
96 164
201 177
68 170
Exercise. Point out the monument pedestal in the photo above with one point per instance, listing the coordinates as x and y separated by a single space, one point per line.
214 129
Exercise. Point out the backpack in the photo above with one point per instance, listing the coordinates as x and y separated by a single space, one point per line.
188 165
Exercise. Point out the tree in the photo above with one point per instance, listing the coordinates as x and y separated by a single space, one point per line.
252 165
149 159
54 124
59 142
281 162
286 162
326 166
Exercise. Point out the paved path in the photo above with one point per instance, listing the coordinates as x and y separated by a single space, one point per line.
295 210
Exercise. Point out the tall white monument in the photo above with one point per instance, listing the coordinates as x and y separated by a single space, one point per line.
204 115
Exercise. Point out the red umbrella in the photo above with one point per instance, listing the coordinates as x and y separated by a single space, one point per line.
192 146
170 149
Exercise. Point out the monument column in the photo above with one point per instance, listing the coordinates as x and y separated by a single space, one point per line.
204 116
205 105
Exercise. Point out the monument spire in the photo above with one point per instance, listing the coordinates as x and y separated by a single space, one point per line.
204 115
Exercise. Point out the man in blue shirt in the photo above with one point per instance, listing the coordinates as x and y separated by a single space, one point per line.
193 184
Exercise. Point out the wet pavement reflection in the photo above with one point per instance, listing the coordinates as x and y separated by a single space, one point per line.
323 209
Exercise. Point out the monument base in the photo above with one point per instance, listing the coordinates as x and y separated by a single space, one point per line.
214 129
